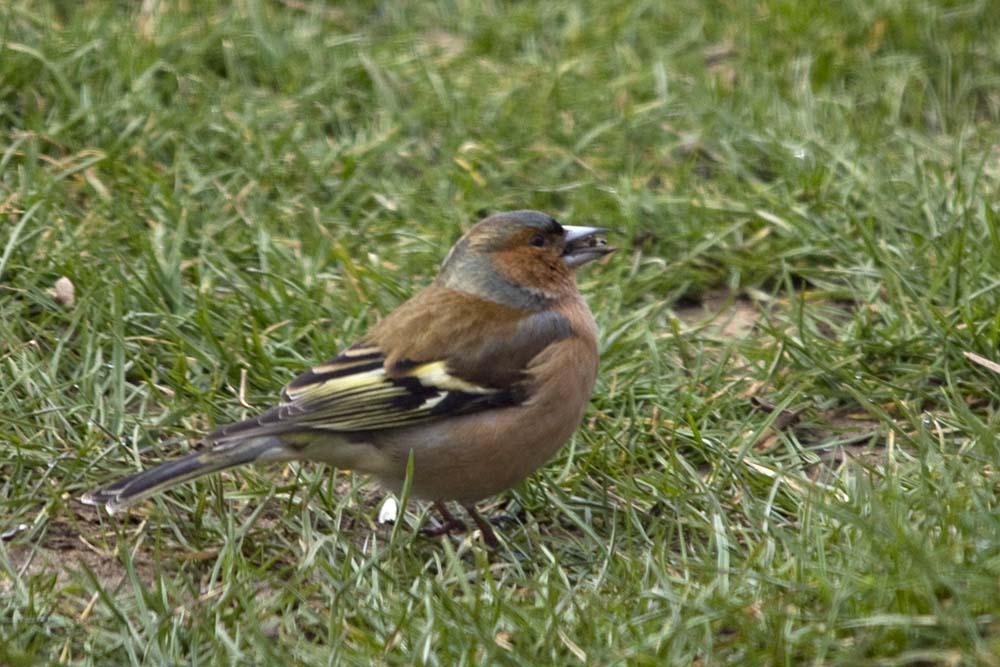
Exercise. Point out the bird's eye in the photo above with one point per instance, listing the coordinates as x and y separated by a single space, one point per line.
537 240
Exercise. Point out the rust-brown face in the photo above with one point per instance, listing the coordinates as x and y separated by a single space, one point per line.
533 250
521 257
532 258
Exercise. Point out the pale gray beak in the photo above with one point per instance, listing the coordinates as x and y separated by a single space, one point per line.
584 244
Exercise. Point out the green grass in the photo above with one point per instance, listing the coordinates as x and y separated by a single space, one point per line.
805 195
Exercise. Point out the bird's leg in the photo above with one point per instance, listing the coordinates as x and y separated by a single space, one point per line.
449 522
484 527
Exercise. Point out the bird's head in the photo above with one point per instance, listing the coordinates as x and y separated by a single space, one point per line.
524 259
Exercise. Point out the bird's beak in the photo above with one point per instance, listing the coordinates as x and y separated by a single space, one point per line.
583 244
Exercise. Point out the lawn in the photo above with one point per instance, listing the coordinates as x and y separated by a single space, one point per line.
791 454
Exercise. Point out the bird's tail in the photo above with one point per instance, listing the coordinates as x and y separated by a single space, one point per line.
147 482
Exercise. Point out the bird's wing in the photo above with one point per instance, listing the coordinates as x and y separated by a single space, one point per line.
393 381
360 391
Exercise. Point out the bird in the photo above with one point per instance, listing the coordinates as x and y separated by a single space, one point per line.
478 379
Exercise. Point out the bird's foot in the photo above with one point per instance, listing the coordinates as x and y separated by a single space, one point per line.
452 524
484 526
449 523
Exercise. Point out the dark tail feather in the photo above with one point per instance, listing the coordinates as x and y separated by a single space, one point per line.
144 484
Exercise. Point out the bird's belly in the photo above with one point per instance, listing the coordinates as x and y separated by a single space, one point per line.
474 457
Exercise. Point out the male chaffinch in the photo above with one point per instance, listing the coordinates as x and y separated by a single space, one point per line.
481 377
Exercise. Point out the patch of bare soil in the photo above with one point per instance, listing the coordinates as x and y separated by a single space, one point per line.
722 315
64 550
